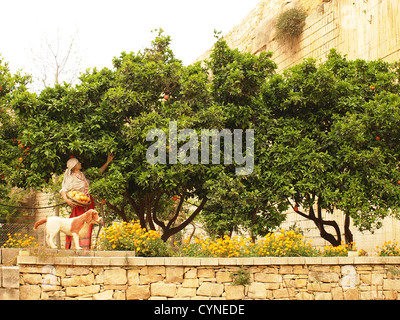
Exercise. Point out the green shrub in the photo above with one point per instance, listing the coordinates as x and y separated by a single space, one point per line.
241 278
290 24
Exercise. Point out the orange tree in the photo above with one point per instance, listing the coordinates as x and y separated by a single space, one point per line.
11 150
333 141
247 202
113 110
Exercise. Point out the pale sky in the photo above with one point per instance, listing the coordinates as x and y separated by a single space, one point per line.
106 28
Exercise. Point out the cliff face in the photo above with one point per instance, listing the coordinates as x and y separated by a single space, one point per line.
365 29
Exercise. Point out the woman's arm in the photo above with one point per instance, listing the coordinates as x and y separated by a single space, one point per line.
104 166
67 200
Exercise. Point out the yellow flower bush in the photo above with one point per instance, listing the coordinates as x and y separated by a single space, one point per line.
130 236
19 240
222 247
388 249
338 251
148 243
283 244
280 244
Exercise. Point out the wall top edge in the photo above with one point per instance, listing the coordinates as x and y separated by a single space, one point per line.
125 258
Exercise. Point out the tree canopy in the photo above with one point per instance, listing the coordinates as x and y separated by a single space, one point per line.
334 141
325 138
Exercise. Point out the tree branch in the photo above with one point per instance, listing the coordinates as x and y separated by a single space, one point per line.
118 211
320 223
178 209
156 220
190 219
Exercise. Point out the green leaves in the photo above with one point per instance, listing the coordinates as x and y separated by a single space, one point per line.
334 137
325 134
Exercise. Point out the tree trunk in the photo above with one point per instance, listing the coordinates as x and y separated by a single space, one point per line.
320 223
168 231
146 209
348 235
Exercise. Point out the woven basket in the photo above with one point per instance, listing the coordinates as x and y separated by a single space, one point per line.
78 203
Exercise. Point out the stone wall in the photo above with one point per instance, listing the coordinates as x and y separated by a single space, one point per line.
117 275
9 274
360 29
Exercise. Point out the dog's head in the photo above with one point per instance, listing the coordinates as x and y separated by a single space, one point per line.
92 216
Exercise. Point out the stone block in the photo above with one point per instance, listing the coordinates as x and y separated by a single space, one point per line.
9 294
82 291
223 276
79 271
323 276
105 295
245 261
285 293
266 277
191 273
150 278
133 277
191 261
119 295
30 278
106 261
76 281
118 261
323 296
205 273
138 292
318 287
286 270
209 261
234 292
352 294
190 283
304 296
10 277
377 279
272 285
262 261
81 261
366 278
156 270
210 289
350 278
391 284
337 293
174 261
186 292
9 256
27 260
155 261
115 276
372 295
390 295
257 290
228 261
299 283
174 274
29 292
163 289
137 261
320 268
